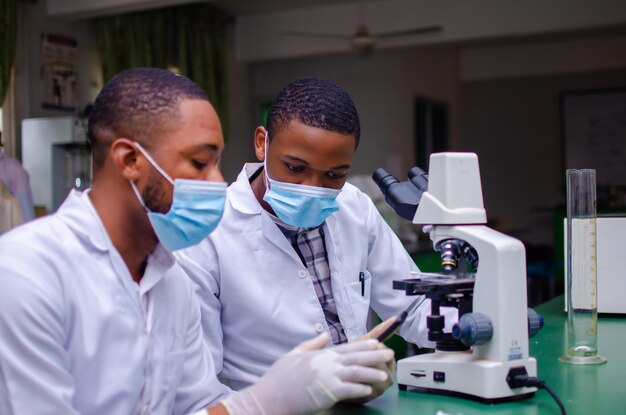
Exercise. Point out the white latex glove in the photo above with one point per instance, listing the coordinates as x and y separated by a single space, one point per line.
378 388
309 379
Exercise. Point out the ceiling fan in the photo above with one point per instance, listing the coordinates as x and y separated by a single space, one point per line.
363 40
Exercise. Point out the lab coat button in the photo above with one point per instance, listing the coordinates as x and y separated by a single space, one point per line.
145 410
319 327
303 273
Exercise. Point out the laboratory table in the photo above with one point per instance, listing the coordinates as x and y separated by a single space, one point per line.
588 390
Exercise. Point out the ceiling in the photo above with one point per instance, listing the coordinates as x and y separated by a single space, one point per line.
251 7
261 24
96 8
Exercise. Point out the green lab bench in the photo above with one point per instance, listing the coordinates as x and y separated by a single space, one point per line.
584 390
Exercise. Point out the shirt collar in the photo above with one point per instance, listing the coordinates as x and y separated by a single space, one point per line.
158 261
286 229
290 230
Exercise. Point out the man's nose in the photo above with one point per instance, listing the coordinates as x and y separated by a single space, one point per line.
314 179
215 175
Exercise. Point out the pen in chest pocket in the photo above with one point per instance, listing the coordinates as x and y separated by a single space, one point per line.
362 281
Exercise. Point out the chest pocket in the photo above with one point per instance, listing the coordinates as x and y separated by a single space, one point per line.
358 294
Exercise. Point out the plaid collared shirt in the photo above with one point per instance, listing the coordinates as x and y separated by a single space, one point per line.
311 248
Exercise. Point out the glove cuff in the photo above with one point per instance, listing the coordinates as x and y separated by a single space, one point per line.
243 403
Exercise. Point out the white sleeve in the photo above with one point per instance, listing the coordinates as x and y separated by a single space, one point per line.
199 386
388 260
34 365
200 264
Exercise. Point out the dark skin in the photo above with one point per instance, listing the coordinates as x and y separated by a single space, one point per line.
187 148
312 156
305 155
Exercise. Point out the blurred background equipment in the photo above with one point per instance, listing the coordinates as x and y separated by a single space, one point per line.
16 200
57 157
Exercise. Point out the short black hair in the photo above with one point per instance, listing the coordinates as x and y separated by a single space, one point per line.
315 102
138 104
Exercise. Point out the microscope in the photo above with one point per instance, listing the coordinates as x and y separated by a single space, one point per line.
483 276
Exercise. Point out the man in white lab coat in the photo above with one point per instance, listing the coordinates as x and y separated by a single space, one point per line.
299 251
95 315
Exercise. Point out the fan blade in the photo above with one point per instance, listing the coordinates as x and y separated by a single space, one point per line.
410 32
315 35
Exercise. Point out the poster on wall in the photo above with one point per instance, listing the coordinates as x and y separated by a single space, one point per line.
59 71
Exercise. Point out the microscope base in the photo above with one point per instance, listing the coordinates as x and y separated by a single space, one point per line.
465 395
462 374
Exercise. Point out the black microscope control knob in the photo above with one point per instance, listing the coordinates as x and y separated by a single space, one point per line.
473 328
535 322
435 326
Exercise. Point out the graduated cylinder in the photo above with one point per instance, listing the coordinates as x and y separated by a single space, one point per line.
582 310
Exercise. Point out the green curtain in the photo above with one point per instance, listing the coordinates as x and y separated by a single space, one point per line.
8 23
192 38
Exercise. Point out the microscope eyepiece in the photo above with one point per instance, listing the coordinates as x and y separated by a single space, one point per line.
419 178
383 179
403 197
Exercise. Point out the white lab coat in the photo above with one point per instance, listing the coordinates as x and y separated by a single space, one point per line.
78 335
248 273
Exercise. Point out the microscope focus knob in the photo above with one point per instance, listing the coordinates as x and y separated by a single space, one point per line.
435 326
473 328
535 322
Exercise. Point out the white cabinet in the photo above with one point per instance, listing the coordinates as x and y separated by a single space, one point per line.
55 161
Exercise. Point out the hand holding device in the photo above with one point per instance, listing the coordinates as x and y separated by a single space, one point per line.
309 379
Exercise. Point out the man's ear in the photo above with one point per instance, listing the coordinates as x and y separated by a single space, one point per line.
124 156
259 142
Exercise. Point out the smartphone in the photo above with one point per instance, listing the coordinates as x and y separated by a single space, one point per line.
394 326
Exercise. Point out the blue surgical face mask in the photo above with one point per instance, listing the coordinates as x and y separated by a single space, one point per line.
297 204
197 208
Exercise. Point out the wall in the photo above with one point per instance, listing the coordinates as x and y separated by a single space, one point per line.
573 54
510 101
28 86
28 83
504 102
514 126
261 36
383 88
238 145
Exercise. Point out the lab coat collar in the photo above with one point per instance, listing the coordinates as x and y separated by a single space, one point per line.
241 195
81 216
242 199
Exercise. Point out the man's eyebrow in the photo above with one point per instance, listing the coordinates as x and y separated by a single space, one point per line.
299 160
211 147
